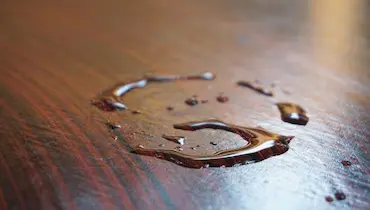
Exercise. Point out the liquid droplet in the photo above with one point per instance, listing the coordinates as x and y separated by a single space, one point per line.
340 196
179 148
169 108
177 139
204 101
293 113
256 87
261 144
191 101
222 98
169 78
329 199
136 112
110 99
346 163
112 126
108 105
213 143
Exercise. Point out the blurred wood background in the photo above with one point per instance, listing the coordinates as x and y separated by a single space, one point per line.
56 152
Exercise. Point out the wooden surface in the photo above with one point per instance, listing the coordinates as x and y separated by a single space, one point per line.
57 153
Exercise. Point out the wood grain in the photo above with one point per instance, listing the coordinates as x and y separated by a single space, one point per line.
57 153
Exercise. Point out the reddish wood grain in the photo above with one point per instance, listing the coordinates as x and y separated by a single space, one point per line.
57 153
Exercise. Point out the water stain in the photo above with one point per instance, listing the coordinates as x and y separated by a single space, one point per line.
261 145
256 87
110 100
293 113
177 139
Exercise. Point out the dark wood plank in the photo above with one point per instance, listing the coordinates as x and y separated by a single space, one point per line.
57 153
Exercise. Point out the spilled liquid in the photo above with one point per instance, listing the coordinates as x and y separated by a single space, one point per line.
261 145
256 87
293 113
110 100
177 139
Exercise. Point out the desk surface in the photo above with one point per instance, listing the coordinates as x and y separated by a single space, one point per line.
57 153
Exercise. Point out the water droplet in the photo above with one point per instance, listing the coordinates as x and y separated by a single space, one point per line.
256 87
191 101
136 112
346 163
207 76
110 99
169 108
179 148
340 196
108 105
112 126
213 143
329 199
176 139
293 113
204 101
261 144
222 98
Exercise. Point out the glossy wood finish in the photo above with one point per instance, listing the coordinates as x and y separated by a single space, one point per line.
57 153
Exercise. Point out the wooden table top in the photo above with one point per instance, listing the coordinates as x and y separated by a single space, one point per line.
56 151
